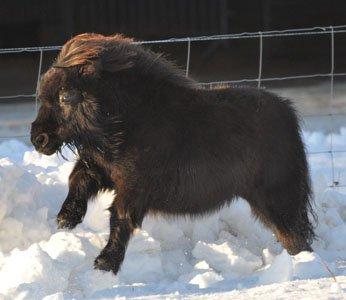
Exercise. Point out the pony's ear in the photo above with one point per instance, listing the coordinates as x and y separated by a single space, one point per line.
95 53
90 69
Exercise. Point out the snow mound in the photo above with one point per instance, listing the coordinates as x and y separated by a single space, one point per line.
228 252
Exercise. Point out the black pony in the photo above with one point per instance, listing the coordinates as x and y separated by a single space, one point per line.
164 144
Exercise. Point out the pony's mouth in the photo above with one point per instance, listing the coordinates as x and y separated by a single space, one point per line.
46 145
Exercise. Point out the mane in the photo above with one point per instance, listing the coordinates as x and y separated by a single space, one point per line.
86 48
157 67
117 52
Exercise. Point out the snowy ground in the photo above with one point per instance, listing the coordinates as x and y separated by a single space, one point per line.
225 255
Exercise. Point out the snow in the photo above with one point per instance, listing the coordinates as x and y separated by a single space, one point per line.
224 255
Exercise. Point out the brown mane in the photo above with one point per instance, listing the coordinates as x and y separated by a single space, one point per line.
86 48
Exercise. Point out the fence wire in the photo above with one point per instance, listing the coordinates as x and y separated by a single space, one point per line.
319 30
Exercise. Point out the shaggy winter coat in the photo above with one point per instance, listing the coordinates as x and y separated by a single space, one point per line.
166 145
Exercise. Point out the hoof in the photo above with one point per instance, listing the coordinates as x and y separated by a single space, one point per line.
67 221
106 262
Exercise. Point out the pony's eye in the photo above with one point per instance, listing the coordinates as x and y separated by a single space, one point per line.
72 96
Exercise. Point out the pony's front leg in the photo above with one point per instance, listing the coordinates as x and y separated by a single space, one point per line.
124 218
84 183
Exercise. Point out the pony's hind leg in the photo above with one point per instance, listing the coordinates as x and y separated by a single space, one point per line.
287 216
293 243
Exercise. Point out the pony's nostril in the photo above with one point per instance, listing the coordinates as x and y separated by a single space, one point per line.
41 140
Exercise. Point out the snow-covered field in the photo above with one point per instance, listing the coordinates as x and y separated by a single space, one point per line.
225 255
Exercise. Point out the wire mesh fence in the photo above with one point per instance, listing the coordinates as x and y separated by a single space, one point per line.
331 31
